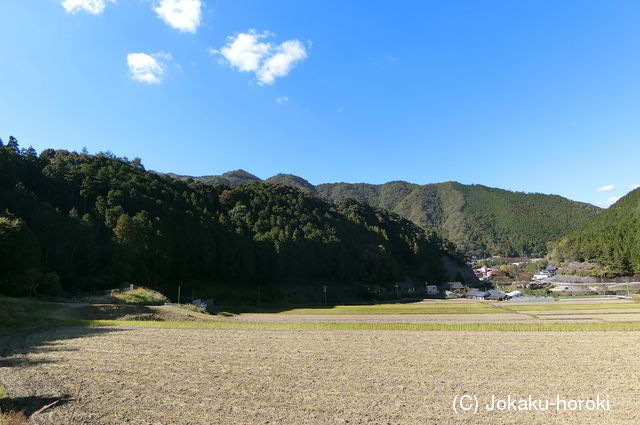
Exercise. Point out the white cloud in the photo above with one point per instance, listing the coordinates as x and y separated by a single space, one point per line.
247 52
183 15
606 188
279 64
634 186
282 99
149 69
95 7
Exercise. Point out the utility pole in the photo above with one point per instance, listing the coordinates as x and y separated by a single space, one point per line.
627 279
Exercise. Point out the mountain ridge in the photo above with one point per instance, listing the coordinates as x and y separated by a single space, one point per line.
480 220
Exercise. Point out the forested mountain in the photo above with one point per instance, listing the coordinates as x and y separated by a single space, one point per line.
480 220
291 180
76 222
231 178
611 239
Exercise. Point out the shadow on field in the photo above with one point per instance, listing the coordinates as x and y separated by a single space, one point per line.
21 362
31 404
234 310
15 347
116 312
36 328
229 310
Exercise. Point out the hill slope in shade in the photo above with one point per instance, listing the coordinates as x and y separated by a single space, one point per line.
79 222
611 239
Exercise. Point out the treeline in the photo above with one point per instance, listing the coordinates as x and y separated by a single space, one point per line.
78 222
612 239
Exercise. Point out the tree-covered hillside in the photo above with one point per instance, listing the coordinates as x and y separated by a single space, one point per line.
231 178
480 220
612 239
76 222
291 180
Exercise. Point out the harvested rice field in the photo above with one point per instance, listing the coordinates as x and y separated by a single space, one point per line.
376 364
169 375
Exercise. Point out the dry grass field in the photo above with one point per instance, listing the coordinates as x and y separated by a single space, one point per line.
118 375
383 364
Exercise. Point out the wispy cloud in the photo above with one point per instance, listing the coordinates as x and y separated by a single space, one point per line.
612 200
634 186
149 69
247 52
282 99
183 15
95 7
606 188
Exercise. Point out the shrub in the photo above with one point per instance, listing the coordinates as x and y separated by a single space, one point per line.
141 296
195 308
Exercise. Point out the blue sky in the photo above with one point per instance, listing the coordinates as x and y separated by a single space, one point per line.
534 96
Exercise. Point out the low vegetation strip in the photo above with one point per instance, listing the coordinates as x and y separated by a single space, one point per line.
444 308
557 306
498 327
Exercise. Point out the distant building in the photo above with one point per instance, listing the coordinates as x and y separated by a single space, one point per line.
475 293
546 273
513 294
432 290
452 286
542 275
406 287
495 295
203 303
